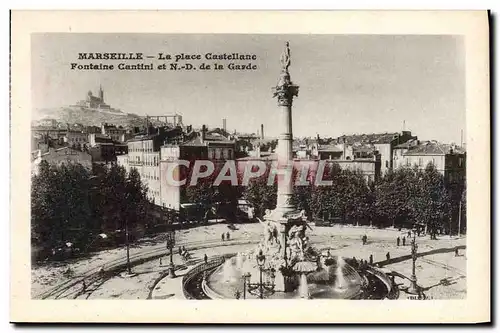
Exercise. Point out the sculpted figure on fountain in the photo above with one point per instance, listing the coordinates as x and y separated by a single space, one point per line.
297 241
271 241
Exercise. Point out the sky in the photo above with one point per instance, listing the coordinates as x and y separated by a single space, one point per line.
349 84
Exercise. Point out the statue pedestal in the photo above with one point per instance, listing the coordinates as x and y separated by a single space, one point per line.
285 219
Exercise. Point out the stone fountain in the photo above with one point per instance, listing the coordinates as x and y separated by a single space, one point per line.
301 270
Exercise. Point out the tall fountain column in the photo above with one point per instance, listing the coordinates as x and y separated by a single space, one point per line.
284 213
285 90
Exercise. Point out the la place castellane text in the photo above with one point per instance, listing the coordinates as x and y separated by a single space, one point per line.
180 61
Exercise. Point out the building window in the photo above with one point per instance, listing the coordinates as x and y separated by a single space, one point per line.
386 164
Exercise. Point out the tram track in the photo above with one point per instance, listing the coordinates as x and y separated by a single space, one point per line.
94 278
90 276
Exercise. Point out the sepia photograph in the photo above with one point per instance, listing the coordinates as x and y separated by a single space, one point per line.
249 167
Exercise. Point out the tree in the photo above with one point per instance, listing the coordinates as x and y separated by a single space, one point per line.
136 201
431 203
60 209
261 195
327 201
463 211
211 199
42 205
360 198
393 196
71 205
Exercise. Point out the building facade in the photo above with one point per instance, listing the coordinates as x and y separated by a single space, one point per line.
449 160
60 156
154 152
199 146
76 138
144 155
115 133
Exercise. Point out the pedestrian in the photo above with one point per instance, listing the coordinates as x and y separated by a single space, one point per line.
180 250
456 252
409 233
371 259
84 287
404 240
388 256
227 235
364 239
354 262
205 257
222 236
397 241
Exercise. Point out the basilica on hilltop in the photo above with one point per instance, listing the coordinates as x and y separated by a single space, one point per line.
94 102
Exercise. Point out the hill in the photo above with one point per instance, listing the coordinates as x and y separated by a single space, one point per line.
88 117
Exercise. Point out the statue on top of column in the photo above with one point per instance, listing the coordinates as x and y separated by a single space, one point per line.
285 58
285 90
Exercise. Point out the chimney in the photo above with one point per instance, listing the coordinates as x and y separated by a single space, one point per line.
224 124
262 131
203 133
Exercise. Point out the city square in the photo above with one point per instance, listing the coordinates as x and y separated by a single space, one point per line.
150 211
437 263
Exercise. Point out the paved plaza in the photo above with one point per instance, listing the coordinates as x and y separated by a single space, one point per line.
440 273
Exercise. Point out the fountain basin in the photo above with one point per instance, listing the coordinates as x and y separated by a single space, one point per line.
226 279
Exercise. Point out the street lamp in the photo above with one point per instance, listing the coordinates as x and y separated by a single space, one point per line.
262 286
127 243
129 268
246 280
414 247
170 246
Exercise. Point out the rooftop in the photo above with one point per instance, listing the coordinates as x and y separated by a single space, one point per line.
264 156
376 138
209 138
434 148
330 148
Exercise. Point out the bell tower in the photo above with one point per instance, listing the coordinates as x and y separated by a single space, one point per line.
101 94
